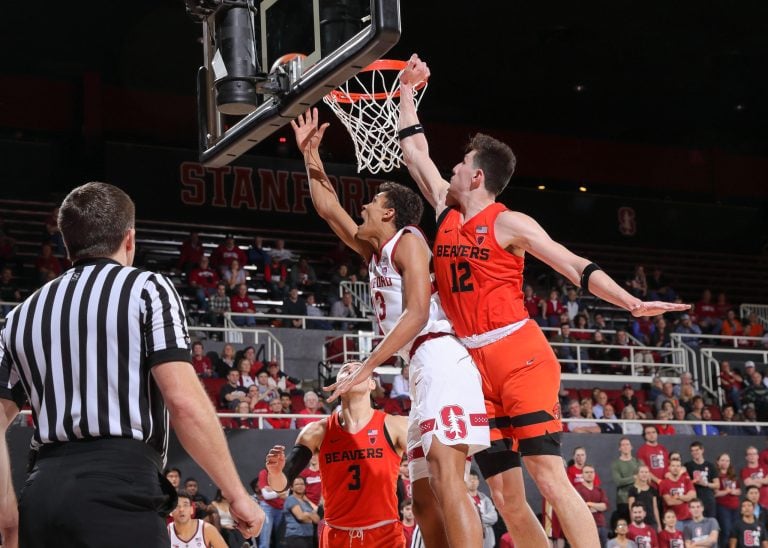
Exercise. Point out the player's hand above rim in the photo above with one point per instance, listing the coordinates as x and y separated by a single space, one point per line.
654 308
308 133
344 385
416 71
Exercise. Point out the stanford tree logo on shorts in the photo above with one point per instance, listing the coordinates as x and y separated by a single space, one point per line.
452 417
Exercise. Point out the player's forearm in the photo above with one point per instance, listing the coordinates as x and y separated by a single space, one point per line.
408 326
601 285
277 482
321 190
9 516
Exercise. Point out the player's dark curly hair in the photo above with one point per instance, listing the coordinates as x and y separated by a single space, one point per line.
496 160
406 203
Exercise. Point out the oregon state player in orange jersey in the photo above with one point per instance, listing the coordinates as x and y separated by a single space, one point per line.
479 253
359 450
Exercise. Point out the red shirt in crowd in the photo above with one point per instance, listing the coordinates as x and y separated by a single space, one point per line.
533 305
758 472
671 539
678 487
202 365
204 277
301 423
728 501
314 484
656 458
644 535
241 304
264 482
596 494
576 477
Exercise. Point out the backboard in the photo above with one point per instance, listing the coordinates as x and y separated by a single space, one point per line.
247 89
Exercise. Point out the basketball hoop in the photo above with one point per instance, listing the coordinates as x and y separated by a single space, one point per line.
366 105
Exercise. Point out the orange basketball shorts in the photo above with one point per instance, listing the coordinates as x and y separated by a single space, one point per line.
389 536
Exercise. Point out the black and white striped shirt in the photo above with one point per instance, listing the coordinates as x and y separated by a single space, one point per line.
81 350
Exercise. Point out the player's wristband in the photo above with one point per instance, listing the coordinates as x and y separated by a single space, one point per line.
588 270
410 130
297 460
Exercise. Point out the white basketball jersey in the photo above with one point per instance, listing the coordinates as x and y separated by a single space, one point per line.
387 292
197 541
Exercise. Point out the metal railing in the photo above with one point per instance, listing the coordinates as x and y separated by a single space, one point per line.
229 323
761 310
273 348
355 347
361 295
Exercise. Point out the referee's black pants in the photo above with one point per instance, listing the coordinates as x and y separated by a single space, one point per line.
96 493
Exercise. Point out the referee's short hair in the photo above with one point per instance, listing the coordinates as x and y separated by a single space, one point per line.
93 220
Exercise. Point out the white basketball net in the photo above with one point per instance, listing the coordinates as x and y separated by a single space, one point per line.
372 122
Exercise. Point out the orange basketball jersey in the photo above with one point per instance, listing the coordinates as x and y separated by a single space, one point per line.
359 474
480 283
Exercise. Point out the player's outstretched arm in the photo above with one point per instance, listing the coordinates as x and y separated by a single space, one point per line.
282 469
309 135
522 232
415 147
9 514
412 260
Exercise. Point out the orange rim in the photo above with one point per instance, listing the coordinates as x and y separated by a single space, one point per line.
381 64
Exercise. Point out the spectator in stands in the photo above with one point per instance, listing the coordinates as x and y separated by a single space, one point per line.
47 265
659 288
686 379
629 414
731 383
9 292
401 387
620 539
732 326
314 311
706 314
643 493
313 479
670 535
243 304
279 379
665 429
729 415
599 324
303 276
286 402
218 305
677 491
682 429
485 509
640 531
749 368
552 308
661 338
272 503
623 471
257 255
408 522
294 306
233 275
597 353
637 285
747 531
757 395
203 280
173 475
628 397
654 455
705 478
225 253
643 329
755 474
277 423
231 394
312 406
282 253
573 306
752 493
226 360
722 306
565 352
753 328
532 303
709 429
581 327
264 392
600 399
667 394
727 495
685 399
690 329
203 508
201 362
575 469
580 426
276 279
301 514
596 499
697 406
191 254
701 530
244 366
345 308
609 427
750 415
341 274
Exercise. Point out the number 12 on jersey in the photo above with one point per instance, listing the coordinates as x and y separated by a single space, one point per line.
460 277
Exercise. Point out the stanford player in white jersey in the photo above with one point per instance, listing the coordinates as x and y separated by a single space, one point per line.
186 532
448 420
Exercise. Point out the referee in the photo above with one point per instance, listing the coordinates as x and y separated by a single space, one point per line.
101 354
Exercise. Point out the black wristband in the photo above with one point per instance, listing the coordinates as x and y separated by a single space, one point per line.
296 461
588 270
410 130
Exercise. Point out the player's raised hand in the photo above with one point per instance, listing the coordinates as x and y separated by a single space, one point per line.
654 308
415 71
307 130
342 386
276 460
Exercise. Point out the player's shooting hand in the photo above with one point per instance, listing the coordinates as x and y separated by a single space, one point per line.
308 133
345 384
654 308
415 71
248 516
276 460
